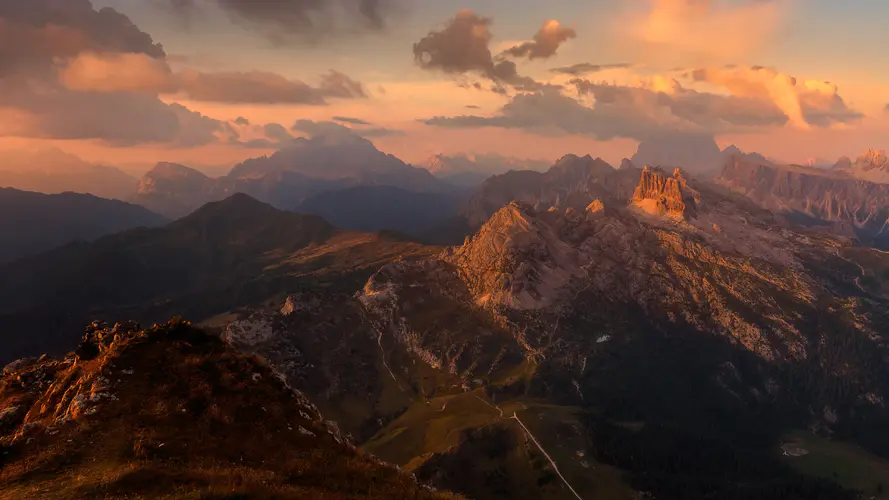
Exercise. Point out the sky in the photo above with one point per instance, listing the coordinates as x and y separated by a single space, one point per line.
212 82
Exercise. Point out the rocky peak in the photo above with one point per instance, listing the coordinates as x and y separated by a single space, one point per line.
844 163
163 175
872 159
661 194
517 259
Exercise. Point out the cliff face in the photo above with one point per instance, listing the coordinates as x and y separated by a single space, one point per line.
849 205
662 195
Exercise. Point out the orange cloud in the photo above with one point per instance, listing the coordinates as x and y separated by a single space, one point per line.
116 72
131 72
705 29
805 103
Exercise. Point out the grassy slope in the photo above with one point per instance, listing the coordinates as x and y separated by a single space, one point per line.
468 430
842 462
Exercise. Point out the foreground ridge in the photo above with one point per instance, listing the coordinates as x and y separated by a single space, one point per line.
172 412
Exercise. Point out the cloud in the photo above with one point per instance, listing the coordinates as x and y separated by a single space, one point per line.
46 34
292 21
655 106
241 121
353 121
545 43
886 108
118 72
111 72
704 29
805 103
587 68
320 128
463 46
277 132
472 106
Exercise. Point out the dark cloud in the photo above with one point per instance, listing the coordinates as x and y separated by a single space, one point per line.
336 84
259 87
289 21
353 121
313 129
33 33
886 108
255 87
629 112
277 132
472 106
242 121
462 46
546 42
586 68
36 36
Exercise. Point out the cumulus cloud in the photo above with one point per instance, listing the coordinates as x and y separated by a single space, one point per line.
587 68
117 72
69 71
289 21
38 36
655 106
463 46
805 103
545 43
110 72
704 29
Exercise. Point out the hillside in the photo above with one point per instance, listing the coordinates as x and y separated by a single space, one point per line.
32 223
227 254
373 208
171 412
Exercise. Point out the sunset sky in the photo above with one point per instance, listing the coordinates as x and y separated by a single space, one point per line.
222 80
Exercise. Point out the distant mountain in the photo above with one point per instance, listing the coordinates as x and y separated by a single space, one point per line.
571 182
872 165
331 161
173 410
833 199
697 154
31 223
228 252
53 171
373 208
465 170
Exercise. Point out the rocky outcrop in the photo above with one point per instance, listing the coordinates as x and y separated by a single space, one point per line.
662 195
516 259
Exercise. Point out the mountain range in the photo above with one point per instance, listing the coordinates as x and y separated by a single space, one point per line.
52 171
33 223
613 332
840 200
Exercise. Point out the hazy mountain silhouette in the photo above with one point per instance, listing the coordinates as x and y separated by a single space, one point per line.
31 223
